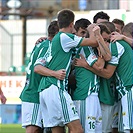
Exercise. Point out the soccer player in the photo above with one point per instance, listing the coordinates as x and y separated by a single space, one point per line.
85 95
81 31
81 27
128 37
100 17
121 66
95 124
31 114
119 24
127 34
54 90
2 97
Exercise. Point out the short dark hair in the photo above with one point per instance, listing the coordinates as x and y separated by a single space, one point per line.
101 15
65 18
110 26
81 23
119 21
53 28
128 29
104 28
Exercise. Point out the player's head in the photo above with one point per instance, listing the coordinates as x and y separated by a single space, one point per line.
81 27
119 24
65 18
100 17
110 26
105 32
128 30
53 28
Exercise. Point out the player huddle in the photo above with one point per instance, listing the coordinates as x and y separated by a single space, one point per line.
98 63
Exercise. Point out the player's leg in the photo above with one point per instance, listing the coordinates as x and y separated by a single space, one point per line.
75 127
47 130
116 115
107 117
127 111
33 129
31 117
58 129
56 100
131 131
98 115
115 130
89 111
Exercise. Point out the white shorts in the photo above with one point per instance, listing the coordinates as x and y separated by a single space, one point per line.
31 114
57 107
107 117
90 113
125 112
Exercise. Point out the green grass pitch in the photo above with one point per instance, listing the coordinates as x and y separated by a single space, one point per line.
11 128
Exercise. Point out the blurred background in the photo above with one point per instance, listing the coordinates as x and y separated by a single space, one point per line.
22 22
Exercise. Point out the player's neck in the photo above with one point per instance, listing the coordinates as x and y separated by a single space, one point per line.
50 38
67 30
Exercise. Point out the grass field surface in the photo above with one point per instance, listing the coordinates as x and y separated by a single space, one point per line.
11 128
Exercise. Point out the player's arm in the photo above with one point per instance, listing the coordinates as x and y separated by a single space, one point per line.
128 40
91 41
2 97
59 74
102 72
103 47
116 36
96 40
105 72
40 63
41 39
82 62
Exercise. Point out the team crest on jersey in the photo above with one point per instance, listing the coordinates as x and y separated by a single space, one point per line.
42 61
94 56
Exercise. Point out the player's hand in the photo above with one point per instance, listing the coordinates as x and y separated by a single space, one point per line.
61 74
40 40
96 31
80 62
3 98
116 36
90 29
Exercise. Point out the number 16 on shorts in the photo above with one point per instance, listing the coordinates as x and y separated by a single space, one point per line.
91 124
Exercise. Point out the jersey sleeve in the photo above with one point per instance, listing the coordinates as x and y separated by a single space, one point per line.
88 53
41 59
69 41
117 51
92 58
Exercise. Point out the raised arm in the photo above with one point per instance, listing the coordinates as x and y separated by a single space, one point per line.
103 47
91 41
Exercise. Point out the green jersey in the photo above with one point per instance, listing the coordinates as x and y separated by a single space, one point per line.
62 45
107 91
30 91
86 81
122 58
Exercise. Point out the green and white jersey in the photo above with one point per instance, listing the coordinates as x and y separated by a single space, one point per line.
122 58
30 91
61 55
106 92
86 81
